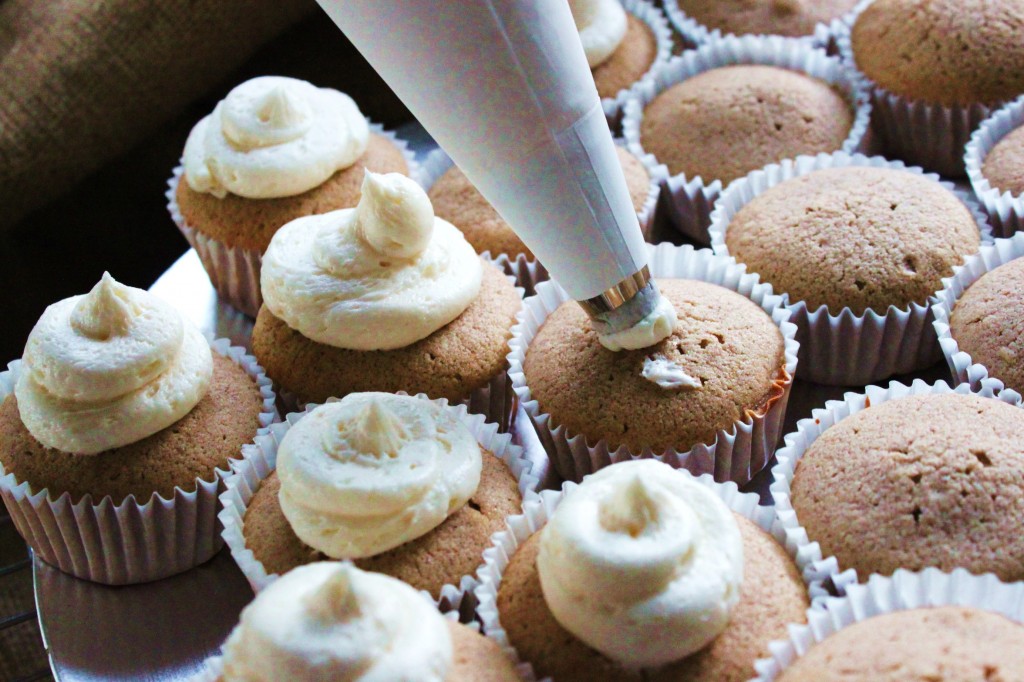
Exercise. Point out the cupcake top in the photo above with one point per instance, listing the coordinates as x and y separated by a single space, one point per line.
946 52
373 471
876 236
772 17
110 368
274 137
940 643
1004 164
728 357
930 480
380 276
602 26
988 322
723 123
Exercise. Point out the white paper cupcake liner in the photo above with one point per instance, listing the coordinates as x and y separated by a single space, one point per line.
963 367
692 198
902 591
538 510
131 541
808 430
260 458
235 271
843 348
654 18
1005 211
736 454
932 136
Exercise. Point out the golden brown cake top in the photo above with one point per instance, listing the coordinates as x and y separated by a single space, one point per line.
773 17
1004 164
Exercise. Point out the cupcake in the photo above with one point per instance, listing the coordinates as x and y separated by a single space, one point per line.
735 105
640 572
401 485
913 626
937 67
384 297
994 159
909 477
115 428
275 149
703 20
332 621
881 237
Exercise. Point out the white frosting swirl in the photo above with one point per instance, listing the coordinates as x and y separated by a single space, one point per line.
654 328
666 374
642 563
110 368
602 26
274 137
380 276
373 471
331 621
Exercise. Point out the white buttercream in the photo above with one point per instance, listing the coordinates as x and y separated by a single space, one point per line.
380 276
667 374
642 563
654 328
274 137
110 368
373 471
602 26
331 621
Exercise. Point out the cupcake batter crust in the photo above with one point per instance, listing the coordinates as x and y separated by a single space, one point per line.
934 480
773 17
876 237
729 121
477 658
451 363
1004 165
214 431
630 61
251 223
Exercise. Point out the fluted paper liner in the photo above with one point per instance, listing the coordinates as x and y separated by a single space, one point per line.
538 510
963 367
902 591
843 348
235 271
690 199
929 135
737 453
808 430
131 541
1005 210
260 458
654 19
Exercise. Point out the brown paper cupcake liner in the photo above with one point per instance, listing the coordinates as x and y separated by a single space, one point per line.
655 19
843 348
808 430
538 510
260 458
902 591
692 198
1005 211
132 541
235 271
737 453
963 367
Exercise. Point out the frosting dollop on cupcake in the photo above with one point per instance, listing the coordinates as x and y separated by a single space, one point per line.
601 25
373 471
110 368
642 563
274 137
331 621
377 277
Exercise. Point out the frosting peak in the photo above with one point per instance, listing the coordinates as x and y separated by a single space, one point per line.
253 118
642 563
105 311
374 470
602 26
394 215
335 599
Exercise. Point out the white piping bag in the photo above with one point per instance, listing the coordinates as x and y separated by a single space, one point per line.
505 89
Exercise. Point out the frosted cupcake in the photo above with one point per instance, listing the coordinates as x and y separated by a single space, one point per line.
273 150
115 428
384 297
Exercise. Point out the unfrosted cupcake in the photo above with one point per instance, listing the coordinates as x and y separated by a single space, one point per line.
701 20
331 621
114 431
273 150
384 297
402 485
994 159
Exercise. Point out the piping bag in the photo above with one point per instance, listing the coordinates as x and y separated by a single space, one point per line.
504 87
